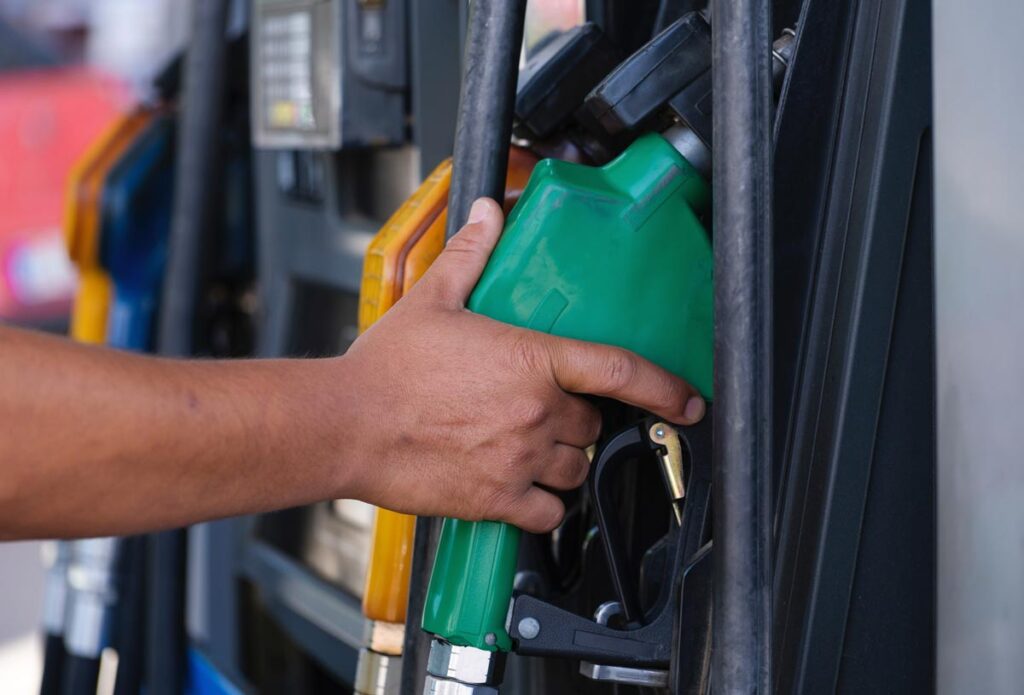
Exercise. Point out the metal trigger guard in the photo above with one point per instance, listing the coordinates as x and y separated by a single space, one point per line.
647 640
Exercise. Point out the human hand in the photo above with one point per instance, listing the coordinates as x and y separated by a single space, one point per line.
467 417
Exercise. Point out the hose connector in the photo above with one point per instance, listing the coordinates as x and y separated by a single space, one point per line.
455 670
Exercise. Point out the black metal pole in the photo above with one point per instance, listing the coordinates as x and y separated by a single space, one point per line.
197 171
490 63
742 94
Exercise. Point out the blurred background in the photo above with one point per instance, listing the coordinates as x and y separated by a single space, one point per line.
68 69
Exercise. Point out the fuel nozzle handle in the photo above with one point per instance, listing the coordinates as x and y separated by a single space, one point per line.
633 94
554 83
647 205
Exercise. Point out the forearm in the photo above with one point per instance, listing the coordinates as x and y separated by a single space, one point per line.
433 411
99 442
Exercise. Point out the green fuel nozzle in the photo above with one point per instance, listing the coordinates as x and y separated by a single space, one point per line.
616 254
591 253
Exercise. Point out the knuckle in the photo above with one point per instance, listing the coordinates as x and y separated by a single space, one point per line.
673 396
620 369
517 463
436 286
499 501
465 242
523 354
533 413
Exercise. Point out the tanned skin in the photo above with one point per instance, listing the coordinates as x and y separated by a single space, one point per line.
433 411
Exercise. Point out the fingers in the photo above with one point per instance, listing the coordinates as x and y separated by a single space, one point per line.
603 370
537 511
577 422
456 271
565 469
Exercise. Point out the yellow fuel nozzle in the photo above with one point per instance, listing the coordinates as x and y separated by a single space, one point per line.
82 214
396 259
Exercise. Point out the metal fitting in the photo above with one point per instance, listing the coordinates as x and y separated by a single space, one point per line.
440 686
688 143
384 637
529 628
56 558
782 54
454 670
378 674
671 459
92 584
645 677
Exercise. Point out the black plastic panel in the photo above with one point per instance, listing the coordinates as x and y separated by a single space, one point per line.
855 520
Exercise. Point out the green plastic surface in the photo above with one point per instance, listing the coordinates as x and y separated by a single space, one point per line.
613 255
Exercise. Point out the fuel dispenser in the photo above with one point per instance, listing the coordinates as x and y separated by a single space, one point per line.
645 240
329 75
621 593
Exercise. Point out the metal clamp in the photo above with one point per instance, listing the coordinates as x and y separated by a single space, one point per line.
378 674
456 670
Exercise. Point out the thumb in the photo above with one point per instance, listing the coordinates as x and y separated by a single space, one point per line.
456 271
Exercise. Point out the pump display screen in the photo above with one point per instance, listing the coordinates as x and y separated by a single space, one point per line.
294 66
286 70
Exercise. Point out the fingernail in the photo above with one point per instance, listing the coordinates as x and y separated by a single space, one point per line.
694 409
478 212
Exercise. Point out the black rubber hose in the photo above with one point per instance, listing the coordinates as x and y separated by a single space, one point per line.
494 38
416 645
196 175
742 105
81 674
53 664
165 625
131 619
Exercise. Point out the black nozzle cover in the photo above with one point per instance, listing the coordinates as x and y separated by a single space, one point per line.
558 78
642 84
